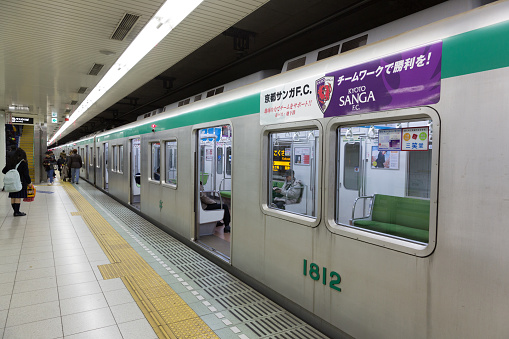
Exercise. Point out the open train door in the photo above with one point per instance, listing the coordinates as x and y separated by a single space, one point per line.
134 174
214 194
105 167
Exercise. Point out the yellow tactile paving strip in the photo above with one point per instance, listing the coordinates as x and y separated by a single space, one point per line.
168 314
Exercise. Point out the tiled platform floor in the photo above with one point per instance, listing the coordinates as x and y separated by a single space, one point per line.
50 286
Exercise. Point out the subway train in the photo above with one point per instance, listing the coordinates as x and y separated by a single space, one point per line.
368 191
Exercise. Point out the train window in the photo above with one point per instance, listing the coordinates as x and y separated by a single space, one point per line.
219 160
90 157
121 159
384 179
114 165
228 160
156 161
351 164
171 162
293 165
98 157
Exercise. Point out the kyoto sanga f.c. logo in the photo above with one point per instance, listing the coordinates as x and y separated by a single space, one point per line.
324 88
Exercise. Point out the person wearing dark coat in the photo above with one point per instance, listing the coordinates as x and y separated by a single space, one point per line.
20 157
74 162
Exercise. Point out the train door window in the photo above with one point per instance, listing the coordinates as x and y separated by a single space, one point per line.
98 160
228 160
121 159
293 168
384 179
219 160
171 162
90 156
351 166
114 165
156 161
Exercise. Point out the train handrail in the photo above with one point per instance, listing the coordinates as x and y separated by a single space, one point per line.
223 181
370 207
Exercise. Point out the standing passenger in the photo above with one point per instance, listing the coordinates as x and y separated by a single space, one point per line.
61 162
19 157
49 165
75 164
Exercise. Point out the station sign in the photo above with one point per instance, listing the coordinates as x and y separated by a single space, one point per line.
406 79
54 120
22 120
54 114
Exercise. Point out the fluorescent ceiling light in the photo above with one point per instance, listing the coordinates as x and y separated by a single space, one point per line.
167 18
19 108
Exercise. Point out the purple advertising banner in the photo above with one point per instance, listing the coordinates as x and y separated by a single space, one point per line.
410 78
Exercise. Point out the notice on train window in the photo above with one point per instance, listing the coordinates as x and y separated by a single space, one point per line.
415 139
389 139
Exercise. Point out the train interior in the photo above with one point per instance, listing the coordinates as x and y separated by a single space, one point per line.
384 178
215 181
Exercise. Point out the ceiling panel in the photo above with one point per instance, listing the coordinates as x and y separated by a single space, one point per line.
47 48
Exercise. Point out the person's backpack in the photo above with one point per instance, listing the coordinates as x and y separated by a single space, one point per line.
12 180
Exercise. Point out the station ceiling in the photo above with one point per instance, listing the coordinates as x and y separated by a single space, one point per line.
48 50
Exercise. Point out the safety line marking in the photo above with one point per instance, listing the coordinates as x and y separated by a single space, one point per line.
167 313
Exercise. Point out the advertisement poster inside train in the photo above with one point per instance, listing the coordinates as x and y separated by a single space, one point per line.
415 139
406 79
384 159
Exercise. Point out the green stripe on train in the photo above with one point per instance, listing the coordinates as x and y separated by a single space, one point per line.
479 50
231 109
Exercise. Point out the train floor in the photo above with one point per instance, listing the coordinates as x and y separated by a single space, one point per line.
81 265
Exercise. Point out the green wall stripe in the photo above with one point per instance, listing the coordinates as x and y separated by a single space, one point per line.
476 51
231 109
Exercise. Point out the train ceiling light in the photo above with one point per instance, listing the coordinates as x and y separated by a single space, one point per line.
162 23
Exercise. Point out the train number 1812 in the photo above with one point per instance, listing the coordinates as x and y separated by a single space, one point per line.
314 272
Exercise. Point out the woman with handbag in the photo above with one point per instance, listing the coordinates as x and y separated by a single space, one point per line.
19 158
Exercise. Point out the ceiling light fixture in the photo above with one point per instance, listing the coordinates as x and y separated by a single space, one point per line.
162 23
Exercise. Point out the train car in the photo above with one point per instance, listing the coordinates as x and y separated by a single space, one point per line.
367 191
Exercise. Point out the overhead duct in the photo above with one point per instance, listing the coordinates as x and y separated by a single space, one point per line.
125 26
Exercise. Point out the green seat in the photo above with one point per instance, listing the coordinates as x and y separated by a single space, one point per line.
399 216
226 194
204 177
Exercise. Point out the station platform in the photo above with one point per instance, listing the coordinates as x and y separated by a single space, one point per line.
82 265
